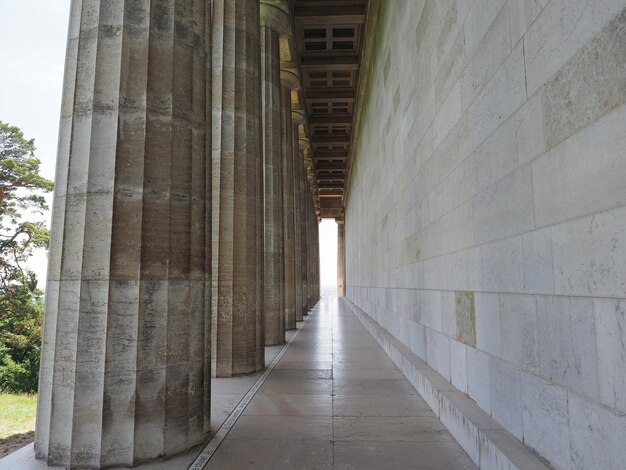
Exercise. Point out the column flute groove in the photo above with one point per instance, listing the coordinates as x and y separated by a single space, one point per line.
237 234
123 372
274 24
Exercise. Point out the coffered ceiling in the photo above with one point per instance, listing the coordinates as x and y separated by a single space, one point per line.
329 40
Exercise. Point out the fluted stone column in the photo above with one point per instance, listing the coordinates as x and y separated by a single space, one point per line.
312 274
289 81
124 371
274 23
300 228
302 224
237 230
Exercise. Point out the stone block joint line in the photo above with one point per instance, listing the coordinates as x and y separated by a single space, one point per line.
209 450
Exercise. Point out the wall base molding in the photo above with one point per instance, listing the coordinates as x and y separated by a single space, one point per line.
486 441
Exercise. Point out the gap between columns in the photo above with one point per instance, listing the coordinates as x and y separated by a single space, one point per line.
209 450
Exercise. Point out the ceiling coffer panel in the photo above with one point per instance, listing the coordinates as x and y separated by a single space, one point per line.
329 37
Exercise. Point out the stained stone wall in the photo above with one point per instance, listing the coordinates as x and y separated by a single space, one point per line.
486 214
124 370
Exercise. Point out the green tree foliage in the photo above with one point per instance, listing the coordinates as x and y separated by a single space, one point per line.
21 318
21 305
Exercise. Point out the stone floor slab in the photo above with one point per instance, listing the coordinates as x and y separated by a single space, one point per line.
398 406
400 455
273 455
265 404
282 428
395 429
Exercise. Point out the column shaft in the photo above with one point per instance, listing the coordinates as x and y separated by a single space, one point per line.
312 223
299 229
124 376
237 229
274 286
304 235
289 180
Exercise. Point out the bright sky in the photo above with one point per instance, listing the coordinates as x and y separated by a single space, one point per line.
33 36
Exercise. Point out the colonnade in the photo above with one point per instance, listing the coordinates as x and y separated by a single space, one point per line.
184 230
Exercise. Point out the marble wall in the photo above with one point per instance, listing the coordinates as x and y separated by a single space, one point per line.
486 213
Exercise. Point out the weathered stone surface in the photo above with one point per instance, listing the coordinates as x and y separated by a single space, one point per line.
545 419
567 343
478 386
289 219
458 365
569 184
530 133
520 330
126 327
504 209
586 88
610 320
559 32
596 434
503 266
237 281
538 262
272 25
488 332
490 159
438 352
589 255
505 384
465 318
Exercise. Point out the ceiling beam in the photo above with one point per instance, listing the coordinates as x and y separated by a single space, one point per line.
331 62
330 156
331 119
330 167
329 138
330 12
346 94
330 177
329 15
330 185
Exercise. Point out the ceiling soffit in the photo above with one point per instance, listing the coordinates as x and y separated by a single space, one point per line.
329 42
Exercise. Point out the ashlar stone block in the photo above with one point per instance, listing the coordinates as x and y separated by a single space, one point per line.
610 322
567 343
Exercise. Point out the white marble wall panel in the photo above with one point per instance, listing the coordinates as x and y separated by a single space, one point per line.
545 419
538 262
597 435
488 333
562 28
438 352
610 321
503 266
494 166
529 125
458 365
520 330
590 256
478 385
505 384
505 208
567 343
574 179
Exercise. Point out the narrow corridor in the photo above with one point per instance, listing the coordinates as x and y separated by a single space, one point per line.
335 400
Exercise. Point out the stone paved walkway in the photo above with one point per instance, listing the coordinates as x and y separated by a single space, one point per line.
336 401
